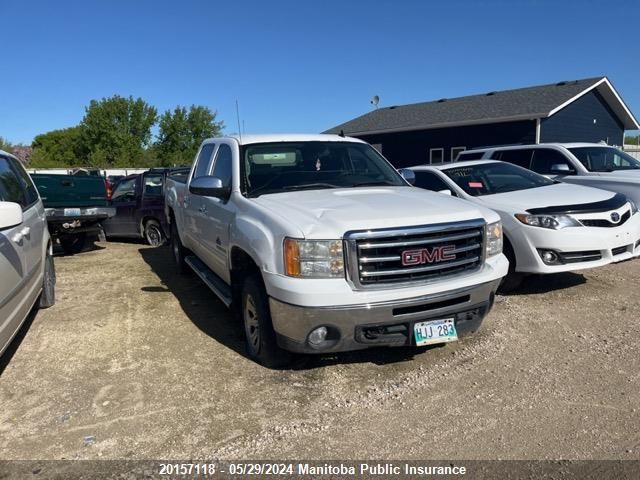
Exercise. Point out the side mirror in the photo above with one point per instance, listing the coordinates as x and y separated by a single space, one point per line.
10 215
209 187
561 169
408 174
446 191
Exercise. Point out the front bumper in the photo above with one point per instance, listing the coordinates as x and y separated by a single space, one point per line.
390 323
586 247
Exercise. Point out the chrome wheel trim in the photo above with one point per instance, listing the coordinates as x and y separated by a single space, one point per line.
251 324
154 237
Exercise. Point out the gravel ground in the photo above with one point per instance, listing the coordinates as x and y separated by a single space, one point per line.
137 362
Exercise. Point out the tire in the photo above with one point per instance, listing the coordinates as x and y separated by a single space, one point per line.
48 295
513 279
73 244
153 233
178 251
260 338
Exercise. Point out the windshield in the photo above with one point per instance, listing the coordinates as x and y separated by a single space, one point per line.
492 178
604 159
284 167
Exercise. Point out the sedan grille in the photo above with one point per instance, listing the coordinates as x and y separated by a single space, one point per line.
606 223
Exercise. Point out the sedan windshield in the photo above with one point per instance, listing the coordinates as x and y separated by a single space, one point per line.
491 178
284 167
604 159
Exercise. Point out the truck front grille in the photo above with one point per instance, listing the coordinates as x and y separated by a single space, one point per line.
398 256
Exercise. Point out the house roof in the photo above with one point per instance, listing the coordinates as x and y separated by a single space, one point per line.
492 107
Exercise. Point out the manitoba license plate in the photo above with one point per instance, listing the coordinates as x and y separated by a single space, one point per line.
435 331
71 212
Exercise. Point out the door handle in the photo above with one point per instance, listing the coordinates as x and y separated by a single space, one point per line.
17 238
203 209
25 231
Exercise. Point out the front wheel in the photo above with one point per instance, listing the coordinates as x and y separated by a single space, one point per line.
178 250
514 279
153 233
48 295
260 337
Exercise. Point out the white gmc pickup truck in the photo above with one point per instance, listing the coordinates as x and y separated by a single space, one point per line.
320 245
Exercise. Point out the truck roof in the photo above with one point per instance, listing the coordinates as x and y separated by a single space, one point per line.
286 137
556 144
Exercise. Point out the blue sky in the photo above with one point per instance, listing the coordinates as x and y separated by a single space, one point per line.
298 66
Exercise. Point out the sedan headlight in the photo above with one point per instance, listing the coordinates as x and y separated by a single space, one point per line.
313 258
553 222
494 239
634 207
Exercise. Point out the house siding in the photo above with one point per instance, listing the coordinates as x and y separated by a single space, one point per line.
405 149
575 122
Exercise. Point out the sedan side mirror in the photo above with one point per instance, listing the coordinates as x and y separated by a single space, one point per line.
561 169
408 174
10 215
209 187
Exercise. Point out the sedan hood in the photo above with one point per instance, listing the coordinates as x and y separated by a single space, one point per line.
327 214
550 196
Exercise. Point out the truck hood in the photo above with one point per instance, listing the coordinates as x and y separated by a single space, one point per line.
327 214
548 196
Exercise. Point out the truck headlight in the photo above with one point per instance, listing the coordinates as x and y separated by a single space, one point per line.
554 222
313 258
494 239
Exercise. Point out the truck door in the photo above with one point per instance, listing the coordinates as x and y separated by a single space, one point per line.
193 203
216 217
124 200
19 255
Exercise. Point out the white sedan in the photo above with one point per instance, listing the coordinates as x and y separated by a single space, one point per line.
548 226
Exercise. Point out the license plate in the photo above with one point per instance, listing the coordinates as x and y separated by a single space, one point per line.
435 331
71 212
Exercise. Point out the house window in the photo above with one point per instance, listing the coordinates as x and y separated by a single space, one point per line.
436 155
455 151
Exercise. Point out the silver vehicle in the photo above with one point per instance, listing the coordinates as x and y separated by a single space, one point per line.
27 274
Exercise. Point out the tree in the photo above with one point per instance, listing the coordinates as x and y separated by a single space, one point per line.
5 145
182 132
116 131
57 148
630 140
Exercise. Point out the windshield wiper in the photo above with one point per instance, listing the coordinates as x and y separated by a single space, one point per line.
374 183
310 186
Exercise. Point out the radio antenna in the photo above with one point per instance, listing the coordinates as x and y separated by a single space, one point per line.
238 115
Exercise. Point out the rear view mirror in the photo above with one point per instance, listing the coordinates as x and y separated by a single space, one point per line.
408 175
209 187
560 169
446 191
10 215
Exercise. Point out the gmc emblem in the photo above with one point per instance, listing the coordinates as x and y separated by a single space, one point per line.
424 255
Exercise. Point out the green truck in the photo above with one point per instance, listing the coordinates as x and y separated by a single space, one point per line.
75 207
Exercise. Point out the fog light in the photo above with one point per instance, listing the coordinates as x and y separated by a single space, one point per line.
549 257
317 336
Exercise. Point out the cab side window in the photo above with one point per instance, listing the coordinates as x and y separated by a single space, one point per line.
153 185
125 190
13 186
431 181
222 165
204 161
520 157
545 158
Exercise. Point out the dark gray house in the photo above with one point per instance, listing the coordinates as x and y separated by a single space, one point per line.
588 110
